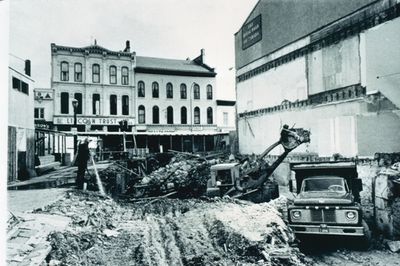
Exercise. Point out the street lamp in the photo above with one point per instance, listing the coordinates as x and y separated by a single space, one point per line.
75 104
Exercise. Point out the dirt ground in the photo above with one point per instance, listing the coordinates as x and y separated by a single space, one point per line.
170 232
190 232
339 252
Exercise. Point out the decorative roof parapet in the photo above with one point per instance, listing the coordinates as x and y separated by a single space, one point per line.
332 96
92 49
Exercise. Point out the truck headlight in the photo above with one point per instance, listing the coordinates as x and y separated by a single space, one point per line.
296 215
351 215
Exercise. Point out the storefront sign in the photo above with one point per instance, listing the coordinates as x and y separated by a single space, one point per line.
251 32
101 121
43 124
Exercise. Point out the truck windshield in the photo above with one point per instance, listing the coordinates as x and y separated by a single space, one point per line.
324 183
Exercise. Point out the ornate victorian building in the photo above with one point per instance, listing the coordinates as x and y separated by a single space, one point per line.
167 103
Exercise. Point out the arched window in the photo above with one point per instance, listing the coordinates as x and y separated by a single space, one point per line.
141 89
170 92
125 105
196 115
170 115
78 97
196 91
96 73
183 115
113 104
142 115
113 75
154 89
209 115
183 91
64 73
78 72
96 104
64 102
209 92
156 115
124 76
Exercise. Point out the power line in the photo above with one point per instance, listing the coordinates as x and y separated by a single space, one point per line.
387 75
17 57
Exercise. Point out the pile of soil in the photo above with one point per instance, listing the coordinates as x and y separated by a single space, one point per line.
170 232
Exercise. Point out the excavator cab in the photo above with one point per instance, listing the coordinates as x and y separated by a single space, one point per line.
223 178
252 179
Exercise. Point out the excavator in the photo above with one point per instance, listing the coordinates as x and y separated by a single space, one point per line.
251 178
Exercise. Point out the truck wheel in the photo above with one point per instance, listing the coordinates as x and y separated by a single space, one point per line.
366 238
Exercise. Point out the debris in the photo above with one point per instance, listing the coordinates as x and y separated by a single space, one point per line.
110 233
394 246
170 232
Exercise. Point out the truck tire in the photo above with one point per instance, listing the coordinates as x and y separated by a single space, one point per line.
365 242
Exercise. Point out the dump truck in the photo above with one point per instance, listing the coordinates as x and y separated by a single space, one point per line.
251 178
327 201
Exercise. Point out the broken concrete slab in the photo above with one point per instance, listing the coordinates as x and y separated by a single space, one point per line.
27 243
394 246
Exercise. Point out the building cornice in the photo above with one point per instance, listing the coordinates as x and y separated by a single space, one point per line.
91 84
92 49
145 70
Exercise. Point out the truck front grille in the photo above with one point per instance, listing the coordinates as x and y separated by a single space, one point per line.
323 216
329 216
316 215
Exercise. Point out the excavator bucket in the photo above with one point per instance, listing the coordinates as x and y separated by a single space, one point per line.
294 137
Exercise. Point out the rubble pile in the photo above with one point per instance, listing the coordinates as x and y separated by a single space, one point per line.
187 176
170 232
184 175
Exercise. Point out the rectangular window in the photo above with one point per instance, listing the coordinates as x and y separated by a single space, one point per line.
113 104
39 113
78 96
124 76
24 87
64 102
225 118
78 72
113 75
64 71
196 91
96 104
16 83
19 85
125 105
96 73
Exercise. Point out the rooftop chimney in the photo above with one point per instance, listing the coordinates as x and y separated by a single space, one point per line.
28 67
202 56
127 47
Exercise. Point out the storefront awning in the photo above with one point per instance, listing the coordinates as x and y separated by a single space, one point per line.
165 133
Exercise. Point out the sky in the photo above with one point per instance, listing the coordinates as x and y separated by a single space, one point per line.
158 28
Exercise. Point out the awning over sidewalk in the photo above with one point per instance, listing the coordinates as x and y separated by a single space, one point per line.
145 133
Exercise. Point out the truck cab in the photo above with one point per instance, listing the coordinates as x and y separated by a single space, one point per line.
327 200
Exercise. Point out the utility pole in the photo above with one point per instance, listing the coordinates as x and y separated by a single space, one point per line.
75 105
